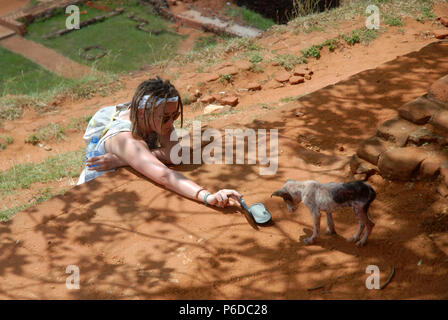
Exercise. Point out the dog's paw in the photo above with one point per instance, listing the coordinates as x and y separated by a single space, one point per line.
330 232
309 241
360 243
352 239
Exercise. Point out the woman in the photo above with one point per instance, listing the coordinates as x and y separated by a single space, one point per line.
129 135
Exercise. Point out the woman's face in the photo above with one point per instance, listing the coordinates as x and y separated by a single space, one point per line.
163 121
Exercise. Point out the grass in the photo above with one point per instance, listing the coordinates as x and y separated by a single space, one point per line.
41 196
416 9
12 106
250 17
393 21
205 42
128 47
22 176
21 76
5 141
57 132
289 61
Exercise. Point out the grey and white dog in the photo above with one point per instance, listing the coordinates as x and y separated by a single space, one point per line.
329 197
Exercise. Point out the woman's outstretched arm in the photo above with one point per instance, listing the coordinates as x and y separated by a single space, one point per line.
137 154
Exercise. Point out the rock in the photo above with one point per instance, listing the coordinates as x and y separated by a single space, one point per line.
359 166
253 86
444 172
207 99
401 163
444 21
360 176
421 136
211 77
47 148
308 77
243 65
371 149
376 179
440 34
228 70
282 77
197 93
430 167
442 189
272 84
396 130
300 71
217 97
439 89
231 101
214 108
299 114
419 111
296 80
440 120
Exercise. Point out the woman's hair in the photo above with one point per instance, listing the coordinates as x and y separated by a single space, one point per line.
156 89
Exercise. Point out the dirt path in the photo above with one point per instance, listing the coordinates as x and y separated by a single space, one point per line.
46 57
134 240
7 6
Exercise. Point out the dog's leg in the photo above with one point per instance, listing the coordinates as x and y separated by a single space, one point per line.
358 214
369 227
330 224
316 229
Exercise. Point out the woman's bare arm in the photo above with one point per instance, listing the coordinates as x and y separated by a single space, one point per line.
137 154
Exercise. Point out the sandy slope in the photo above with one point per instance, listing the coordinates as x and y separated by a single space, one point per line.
132 239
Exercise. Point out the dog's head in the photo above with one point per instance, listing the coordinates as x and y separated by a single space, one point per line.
291 192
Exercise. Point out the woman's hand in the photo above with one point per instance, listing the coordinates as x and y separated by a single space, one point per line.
105 162
224 198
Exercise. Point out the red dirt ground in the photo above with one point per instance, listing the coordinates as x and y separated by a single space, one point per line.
134 240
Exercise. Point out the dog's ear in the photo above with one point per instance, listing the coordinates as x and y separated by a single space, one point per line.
282 193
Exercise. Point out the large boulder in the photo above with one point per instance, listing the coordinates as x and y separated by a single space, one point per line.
371 149
430 167
440 120
396 130
401 163
439 89
419 111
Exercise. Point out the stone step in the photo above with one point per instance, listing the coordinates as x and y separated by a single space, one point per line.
396 130
401 163
440 120
439 90
5 32
371 149
420 110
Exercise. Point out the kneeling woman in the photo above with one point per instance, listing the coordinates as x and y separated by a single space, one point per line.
129 135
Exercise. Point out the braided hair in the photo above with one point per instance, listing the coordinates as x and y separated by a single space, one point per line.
156 89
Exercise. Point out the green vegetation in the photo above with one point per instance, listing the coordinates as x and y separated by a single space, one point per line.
54 131
5 141
417 9
128 48
11 107
24 175
42 195
289 61
20 76
426 14
205 42
313 51
393 21
250 17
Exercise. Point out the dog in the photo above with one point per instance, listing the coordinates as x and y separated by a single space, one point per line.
329 197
